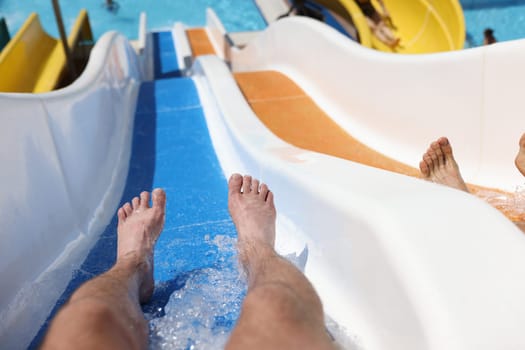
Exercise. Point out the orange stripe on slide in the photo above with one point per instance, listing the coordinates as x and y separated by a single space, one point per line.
199 42
294 117
280 104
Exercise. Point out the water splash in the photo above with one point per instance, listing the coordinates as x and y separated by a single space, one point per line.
202 314
510 204
342 337
519 199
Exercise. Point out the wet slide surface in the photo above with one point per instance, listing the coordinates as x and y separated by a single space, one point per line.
195 261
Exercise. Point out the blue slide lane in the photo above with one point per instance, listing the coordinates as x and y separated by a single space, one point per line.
165 57
172 150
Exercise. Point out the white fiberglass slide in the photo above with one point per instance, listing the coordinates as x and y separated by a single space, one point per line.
399 262
65 157
398 104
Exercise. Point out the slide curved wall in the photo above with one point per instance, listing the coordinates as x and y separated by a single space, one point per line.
398 104
383 272
451 14
64 156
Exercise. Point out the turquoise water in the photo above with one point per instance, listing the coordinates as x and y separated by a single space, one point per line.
507 19
237 15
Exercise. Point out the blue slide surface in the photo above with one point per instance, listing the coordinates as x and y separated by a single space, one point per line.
172 150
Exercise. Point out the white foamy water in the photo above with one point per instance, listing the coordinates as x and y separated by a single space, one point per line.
511 204
341 336
519 198
202 313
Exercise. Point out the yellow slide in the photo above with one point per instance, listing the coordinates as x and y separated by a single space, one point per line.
423 26
35 62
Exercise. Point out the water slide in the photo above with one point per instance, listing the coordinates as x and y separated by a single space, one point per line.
398 262
423 25
436 260
33 61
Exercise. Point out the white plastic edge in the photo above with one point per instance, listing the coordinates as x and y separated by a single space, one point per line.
216 33
143 32
180 40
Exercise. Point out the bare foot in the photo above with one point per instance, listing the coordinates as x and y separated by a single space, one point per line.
395 43
439 166
392 42
520 157
139 226
253 212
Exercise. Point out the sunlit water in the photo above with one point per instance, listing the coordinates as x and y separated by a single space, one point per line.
201 314
508 22
237 15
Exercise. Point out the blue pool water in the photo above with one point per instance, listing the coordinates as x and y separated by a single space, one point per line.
507 19
237 15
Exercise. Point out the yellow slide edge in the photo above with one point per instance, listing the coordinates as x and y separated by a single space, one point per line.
33 61
447 40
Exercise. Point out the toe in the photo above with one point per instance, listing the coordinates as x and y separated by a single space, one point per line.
121 214
442 141
264 191
433 156
159 198
247 184
144 200
135 203
255 186
235 184
127 209
423 167
269 198
439 153
428 160
446 147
